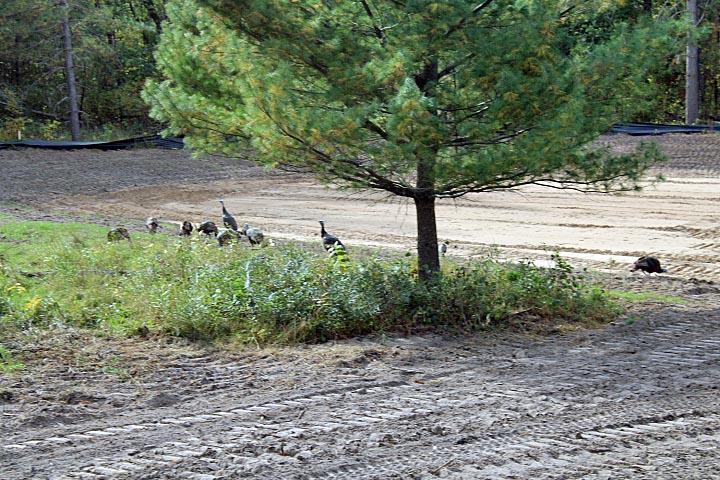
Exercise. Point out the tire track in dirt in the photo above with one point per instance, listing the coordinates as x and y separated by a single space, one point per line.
593 435
672 350
603 426
686 332
518 454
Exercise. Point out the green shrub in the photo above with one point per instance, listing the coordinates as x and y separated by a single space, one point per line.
192 288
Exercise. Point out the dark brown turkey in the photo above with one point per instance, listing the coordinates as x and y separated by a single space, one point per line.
228 220
185 229
208 228
648 264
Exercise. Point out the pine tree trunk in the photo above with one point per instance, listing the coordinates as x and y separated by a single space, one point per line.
692 85
70 73
427 244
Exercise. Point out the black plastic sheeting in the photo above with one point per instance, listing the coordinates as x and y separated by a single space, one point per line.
151 141
660 128
157 141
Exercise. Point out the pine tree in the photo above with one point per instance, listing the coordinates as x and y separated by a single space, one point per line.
423 99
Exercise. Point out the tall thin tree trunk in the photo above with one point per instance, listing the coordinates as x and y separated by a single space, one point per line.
715 63
427 245
16 62
692 84
70 73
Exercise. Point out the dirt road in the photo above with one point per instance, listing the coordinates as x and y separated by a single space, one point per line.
678 220
636 400
632 401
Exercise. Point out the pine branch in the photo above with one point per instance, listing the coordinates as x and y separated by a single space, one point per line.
464 20
377 29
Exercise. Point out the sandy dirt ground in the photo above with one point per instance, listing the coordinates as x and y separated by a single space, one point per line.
677 220
637 399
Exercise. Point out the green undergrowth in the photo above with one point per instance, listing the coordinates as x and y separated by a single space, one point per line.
8 363
637 297
69 274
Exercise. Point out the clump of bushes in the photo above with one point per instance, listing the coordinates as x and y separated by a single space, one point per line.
192 288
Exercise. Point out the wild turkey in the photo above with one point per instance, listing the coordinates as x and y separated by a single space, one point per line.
442 248
152 224
185 229
648 265
118 234
226 237
254 235
228 220
329 240
208 228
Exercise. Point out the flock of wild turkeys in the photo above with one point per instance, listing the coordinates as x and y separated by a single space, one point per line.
224 236
231 232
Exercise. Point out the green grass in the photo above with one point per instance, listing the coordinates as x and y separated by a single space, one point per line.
637 297
68 273
7 362
23 241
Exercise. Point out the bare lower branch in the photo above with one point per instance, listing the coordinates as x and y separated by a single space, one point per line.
366 174
468 142
33 112
584 186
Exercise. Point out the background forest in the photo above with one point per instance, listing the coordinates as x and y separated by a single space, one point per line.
89 60
112 45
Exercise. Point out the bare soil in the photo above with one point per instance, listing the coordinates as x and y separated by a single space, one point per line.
637 399
678 219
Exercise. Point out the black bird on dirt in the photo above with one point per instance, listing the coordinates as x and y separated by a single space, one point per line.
152 224
648 264
118 234
442 248
228 220
185 229
329 240
208 228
